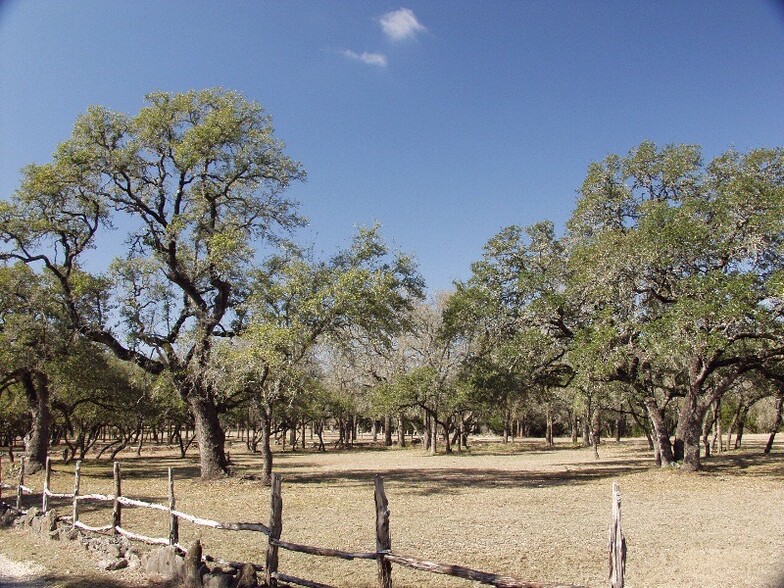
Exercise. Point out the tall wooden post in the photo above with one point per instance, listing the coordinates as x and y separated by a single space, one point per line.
275 526
77 481
383 538
174 521
117 508
47 480
617 542
19 490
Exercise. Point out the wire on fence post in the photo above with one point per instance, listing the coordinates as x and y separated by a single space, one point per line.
383 539
47 479
21 483
275 527
617 542
77 481
117 508
174 522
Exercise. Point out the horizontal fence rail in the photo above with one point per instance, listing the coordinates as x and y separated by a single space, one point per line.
383 554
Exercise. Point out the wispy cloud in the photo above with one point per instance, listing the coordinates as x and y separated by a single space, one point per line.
401 24
377 59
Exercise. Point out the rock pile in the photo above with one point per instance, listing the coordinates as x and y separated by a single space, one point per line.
116 552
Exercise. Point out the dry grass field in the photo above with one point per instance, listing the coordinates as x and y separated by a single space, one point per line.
521 509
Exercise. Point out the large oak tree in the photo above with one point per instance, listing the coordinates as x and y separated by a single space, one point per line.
197 181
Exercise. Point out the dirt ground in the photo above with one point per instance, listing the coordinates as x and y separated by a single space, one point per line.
522 509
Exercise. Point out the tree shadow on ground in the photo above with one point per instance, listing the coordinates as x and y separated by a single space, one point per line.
453 480
746 464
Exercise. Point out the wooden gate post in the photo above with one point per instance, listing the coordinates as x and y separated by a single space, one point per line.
383 539
19 490
174 521
47 480
275 527
617 542
117 508
77 481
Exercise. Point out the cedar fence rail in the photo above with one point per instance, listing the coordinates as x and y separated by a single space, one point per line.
383 554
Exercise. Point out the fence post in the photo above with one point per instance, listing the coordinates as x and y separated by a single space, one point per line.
174 522
19 490
617 542
47 479
77 481
117 508
275 526
383 539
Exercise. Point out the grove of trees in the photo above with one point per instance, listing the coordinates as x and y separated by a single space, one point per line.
657 311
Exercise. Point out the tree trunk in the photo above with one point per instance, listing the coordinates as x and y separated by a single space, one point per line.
586 428
210 436
776 423
265 422
664 455
433 435
320 433
596 428
741 427
549 431
447 444
706 428
717 429
574 421
428 431
687 433
387 430
37 390
401 432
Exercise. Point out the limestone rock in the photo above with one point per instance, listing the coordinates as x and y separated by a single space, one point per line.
113 564
165 562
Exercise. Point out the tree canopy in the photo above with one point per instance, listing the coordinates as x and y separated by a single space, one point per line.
662 297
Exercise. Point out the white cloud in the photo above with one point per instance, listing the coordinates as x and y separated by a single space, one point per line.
401 24
377 59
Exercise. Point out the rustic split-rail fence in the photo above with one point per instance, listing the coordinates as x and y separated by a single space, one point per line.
383 554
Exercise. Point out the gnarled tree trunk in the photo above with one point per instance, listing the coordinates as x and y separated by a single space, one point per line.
687 433
36 387
661 438
209 435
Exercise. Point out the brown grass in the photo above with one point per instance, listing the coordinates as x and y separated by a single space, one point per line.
521 509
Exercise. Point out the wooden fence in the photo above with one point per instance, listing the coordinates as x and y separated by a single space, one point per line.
383 555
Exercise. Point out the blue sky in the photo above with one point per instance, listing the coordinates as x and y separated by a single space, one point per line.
445 121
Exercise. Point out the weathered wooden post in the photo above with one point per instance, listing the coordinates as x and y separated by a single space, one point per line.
174 522
617 542
47 480
117 507
19 490
275 526
383 538
77 481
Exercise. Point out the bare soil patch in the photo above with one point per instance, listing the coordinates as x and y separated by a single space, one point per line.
522 509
